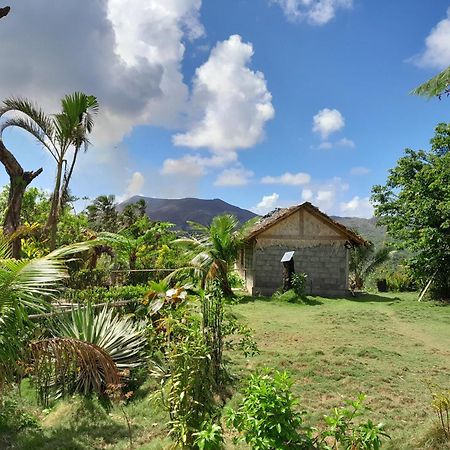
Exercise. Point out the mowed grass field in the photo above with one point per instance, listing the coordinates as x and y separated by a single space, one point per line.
387 346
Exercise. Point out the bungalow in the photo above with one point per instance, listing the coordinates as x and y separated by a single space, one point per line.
321 250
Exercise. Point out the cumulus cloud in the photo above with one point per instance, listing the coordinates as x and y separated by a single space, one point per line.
134 186
360 170
128 54
328 121
437 49
325 195
230 103
316 12
237 176
196 165
292 179
359 207
267 203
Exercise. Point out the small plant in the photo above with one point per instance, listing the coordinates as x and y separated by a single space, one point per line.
347 435
441 405
298 281
209 437
267 416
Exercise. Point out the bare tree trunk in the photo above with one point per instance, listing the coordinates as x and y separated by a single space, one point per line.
18 182
66 180
52 222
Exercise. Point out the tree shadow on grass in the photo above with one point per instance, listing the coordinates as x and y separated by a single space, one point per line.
365 297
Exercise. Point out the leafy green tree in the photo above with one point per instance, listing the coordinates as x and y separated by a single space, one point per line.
62 134
436 86
414 205
215 248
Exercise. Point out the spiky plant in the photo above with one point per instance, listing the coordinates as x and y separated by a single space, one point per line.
120 337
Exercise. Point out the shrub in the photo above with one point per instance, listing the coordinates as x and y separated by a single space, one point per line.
346 434
441 406
267 417
299 283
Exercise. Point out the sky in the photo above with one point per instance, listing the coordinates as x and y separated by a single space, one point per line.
262 103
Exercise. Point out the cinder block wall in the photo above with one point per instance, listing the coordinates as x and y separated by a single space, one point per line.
325 265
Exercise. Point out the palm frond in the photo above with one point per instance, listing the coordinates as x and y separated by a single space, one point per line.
64 366
435 86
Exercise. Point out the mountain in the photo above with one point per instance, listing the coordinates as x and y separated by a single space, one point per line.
179 211
367 228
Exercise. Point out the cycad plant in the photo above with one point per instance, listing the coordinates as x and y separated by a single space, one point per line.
215 249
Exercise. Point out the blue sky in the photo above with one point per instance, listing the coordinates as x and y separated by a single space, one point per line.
262 103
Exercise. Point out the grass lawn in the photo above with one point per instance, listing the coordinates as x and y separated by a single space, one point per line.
388 346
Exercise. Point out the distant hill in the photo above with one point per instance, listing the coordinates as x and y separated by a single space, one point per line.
179 211
367 228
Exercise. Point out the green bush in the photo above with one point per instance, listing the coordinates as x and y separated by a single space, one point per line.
298 281
103 294
267 416
87 278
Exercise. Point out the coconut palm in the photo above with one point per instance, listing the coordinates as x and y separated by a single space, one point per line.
215 248
62 135
363 261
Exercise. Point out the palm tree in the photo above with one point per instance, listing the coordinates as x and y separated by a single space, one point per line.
216 248
103 215
59 134
363 261
26 285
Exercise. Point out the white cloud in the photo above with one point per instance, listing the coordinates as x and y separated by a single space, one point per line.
267 203
316 12
326 145
437 46
237 176
230 103
187 166
325 195
360 170
307 195
345 143
328 121
196 165
359 207
128 54
292 179
134 186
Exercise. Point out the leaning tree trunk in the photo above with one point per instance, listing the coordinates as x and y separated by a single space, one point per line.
18 182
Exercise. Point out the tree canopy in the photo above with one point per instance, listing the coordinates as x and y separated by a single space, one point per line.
436 87
414 205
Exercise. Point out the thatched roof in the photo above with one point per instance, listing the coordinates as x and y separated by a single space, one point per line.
279 214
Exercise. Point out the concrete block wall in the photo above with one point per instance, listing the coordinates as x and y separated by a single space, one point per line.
325 265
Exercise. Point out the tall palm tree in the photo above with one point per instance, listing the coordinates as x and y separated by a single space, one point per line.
216 248
102 214
59 134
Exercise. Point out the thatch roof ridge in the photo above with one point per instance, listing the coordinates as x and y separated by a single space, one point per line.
279 214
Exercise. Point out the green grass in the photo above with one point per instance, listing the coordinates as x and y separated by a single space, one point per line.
388 346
